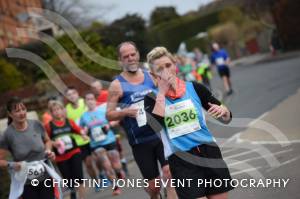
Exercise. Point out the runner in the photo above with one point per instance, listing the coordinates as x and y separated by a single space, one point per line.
203 70
75 108
29 145
177 106
221 59
99 92
68 158
46 117
102 95
103 140
128 91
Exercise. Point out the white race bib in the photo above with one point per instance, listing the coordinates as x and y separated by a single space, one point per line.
97 134
220 61
141 115
67 140
35 170
181 119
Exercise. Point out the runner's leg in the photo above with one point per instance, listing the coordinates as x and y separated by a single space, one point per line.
77 173
105 164
146 159
114 158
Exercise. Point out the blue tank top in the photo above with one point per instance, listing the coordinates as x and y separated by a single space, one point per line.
188 141
95 121
133 93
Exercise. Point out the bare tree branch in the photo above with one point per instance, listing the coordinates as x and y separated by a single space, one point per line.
79 13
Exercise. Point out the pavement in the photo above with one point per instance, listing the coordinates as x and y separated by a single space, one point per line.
251 59
263 58
284 124
262 140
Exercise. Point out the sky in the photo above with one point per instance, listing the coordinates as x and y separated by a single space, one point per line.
118 8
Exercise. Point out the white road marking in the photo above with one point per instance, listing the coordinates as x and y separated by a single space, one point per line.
228 150
284 163
237 155
257 158
272 142
257 119
244 171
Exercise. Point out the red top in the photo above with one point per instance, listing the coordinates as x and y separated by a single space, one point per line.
102 97
46 118
75 129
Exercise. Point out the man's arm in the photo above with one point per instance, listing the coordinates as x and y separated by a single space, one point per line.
114 94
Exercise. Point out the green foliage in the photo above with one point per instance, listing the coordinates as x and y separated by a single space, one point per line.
202 43
171 34
249 28
234 29
225 33
96 25
18 72
231 14
128 28
162 15
167 28
83 62
10 77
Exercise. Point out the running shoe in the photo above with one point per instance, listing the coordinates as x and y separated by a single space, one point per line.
98 187
105 181
117 191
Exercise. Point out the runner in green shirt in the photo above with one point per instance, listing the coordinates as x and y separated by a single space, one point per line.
74 110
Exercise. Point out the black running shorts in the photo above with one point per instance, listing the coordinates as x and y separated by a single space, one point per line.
147 156
203 163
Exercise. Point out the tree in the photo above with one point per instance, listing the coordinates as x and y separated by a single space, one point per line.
284 14
287 16
257 10
231 14
129 28
94 41
225 34
10 77
163 14
75 11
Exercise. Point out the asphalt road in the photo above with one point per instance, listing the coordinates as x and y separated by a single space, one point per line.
259 89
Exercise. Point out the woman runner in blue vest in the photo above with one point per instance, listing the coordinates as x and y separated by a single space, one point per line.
176 110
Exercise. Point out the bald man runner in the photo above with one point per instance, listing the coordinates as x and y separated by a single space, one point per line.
128 91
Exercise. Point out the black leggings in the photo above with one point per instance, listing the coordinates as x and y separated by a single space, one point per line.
38 192
71 169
